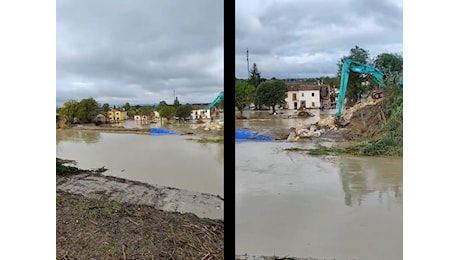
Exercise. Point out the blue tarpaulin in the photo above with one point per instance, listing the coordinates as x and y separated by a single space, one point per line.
249 135
163 131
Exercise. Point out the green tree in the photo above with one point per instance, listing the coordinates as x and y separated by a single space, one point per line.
254 76
355 89
133 111
69 109
167 112
184 111
161 104
105 107
255 79
87 110
272 93
244 95
127 106
176 103
146 110
390 64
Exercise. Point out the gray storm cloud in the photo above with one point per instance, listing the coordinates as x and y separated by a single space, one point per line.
306 38
139 51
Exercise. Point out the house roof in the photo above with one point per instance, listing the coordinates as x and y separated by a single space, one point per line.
300 87
198 107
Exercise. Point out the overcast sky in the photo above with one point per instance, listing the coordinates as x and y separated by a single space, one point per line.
306 38
139 51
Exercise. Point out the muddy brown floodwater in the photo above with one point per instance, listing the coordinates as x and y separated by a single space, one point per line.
170 161
283 123
293 204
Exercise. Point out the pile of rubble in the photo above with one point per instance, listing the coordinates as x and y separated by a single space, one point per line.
304 132
347 114
209 125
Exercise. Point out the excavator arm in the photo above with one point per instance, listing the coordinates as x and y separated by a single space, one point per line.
216 101
361 68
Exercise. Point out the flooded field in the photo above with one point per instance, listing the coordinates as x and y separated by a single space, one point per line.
164 160
260 124
292 204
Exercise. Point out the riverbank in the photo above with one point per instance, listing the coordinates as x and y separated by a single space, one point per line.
102 217
199 128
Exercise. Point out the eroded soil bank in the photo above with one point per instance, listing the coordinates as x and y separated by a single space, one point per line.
94 185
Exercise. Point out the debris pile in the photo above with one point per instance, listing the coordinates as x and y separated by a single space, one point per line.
209 126
61 122
301 132
347 114
305 113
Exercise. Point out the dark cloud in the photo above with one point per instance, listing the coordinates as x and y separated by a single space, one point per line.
139 51
307 38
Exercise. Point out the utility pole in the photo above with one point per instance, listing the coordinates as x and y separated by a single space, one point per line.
247 60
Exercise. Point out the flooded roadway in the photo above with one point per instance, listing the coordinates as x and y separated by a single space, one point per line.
164 160
292 204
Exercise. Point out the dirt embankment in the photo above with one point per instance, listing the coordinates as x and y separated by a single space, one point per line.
361 122
101 217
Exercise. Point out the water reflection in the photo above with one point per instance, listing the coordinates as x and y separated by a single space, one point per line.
77 136
303 205
282 122
363 177
216 150
165 160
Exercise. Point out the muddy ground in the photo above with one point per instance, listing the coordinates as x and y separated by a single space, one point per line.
105 229
365 123
248 257
99 217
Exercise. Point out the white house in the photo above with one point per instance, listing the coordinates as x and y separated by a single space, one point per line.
200 112
302 95
142 118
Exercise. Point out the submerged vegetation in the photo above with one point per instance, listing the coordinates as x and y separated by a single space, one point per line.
207 140
62 169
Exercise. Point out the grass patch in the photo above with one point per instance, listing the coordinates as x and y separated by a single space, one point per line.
207 140
319 150
62 169
323 150
295 149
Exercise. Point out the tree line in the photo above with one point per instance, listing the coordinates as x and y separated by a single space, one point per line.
260 91
86 110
